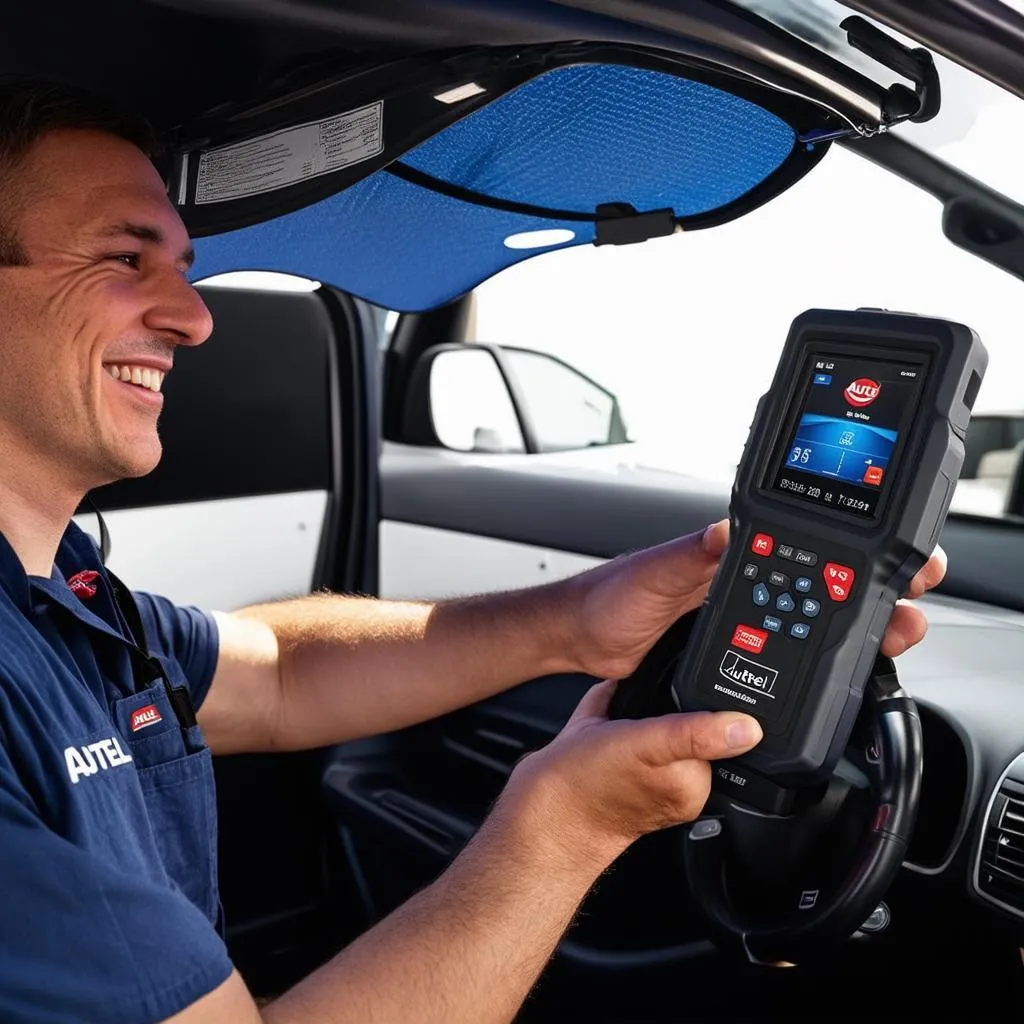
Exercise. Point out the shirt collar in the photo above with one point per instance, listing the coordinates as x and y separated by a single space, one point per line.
76 552
13 579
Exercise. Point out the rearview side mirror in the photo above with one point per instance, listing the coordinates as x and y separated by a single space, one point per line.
486 398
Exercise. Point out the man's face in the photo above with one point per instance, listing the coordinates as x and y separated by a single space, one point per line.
104 291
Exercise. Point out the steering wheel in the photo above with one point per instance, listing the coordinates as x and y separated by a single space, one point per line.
781 885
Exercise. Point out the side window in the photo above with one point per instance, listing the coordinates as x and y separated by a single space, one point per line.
495 399
686 330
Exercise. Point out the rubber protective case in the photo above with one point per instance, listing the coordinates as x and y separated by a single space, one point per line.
808 720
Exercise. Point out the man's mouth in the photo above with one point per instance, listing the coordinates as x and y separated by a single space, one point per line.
140 376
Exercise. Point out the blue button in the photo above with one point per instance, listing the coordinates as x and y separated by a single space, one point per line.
810 607
803 584
761 595
785 602
800 630
772 623
823 378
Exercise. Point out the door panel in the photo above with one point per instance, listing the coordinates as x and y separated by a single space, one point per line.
541 501
602 513
418 562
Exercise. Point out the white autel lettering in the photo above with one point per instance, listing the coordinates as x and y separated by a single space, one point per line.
93 757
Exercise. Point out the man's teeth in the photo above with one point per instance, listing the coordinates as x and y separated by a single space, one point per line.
145 377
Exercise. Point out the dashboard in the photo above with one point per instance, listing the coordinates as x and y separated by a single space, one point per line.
968 681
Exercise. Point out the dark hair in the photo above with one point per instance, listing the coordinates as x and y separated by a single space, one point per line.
31 108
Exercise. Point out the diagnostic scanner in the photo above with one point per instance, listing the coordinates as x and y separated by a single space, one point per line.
839 499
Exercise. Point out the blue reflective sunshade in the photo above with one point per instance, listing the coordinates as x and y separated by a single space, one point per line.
570 140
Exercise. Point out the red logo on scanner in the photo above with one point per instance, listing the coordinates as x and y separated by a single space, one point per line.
145 716
862 391
84 583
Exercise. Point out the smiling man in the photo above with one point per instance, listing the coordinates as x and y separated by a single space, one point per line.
107 818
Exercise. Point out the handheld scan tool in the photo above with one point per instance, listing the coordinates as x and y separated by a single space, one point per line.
840 495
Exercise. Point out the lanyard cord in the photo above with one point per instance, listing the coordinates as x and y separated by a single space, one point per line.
104 532
145 668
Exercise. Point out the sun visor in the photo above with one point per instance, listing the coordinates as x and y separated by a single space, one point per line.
409 197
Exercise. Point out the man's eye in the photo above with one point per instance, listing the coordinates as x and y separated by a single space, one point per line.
130 259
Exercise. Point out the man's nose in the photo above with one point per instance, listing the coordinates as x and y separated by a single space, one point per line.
176 307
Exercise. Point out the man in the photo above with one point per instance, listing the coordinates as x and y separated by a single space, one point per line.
107 831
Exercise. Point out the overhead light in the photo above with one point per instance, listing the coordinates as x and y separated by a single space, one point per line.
460 93
539 239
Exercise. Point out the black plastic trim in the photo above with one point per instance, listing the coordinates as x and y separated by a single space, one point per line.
975 217
985 36
349 547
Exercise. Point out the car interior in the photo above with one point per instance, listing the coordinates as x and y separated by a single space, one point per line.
399 156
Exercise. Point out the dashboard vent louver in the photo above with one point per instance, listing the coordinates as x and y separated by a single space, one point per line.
1001 865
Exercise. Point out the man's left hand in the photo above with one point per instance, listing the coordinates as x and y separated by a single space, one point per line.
622 607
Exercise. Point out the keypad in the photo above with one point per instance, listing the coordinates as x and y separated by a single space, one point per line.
778 588
786 599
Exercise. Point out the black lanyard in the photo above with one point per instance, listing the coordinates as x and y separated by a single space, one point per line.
145 668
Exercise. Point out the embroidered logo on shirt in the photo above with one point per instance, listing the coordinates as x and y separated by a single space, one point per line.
84 583
145 716
94 757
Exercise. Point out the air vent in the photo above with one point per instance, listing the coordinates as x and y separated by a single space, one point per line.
1000 873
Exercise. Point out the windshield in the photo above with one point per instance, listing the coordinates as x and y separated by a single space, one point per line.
979 128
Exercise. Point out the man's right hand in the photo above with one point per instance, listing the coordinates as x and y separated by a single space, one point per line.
605 783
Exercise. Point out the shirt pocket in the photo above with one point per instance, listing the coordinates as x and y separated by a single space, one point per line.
175 771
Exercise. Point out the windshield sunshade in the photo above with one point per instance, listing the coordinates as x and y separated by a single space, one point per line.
550 156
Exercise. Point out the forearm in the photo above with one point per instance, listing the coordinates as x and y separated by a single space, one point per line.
467 949
352 667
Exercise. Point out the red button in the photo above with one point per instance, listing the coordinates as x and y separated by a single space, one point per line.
749 639
873 475
762 544
838 580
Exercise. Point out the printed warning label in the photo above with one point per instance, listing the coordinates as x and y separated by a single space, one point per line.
282 158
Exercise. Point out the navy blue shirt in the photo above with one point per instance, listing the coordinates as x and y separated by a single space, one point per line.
108 889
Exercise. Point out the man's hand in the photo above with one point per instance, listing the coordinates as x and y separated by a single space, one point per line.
622 607
605 783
